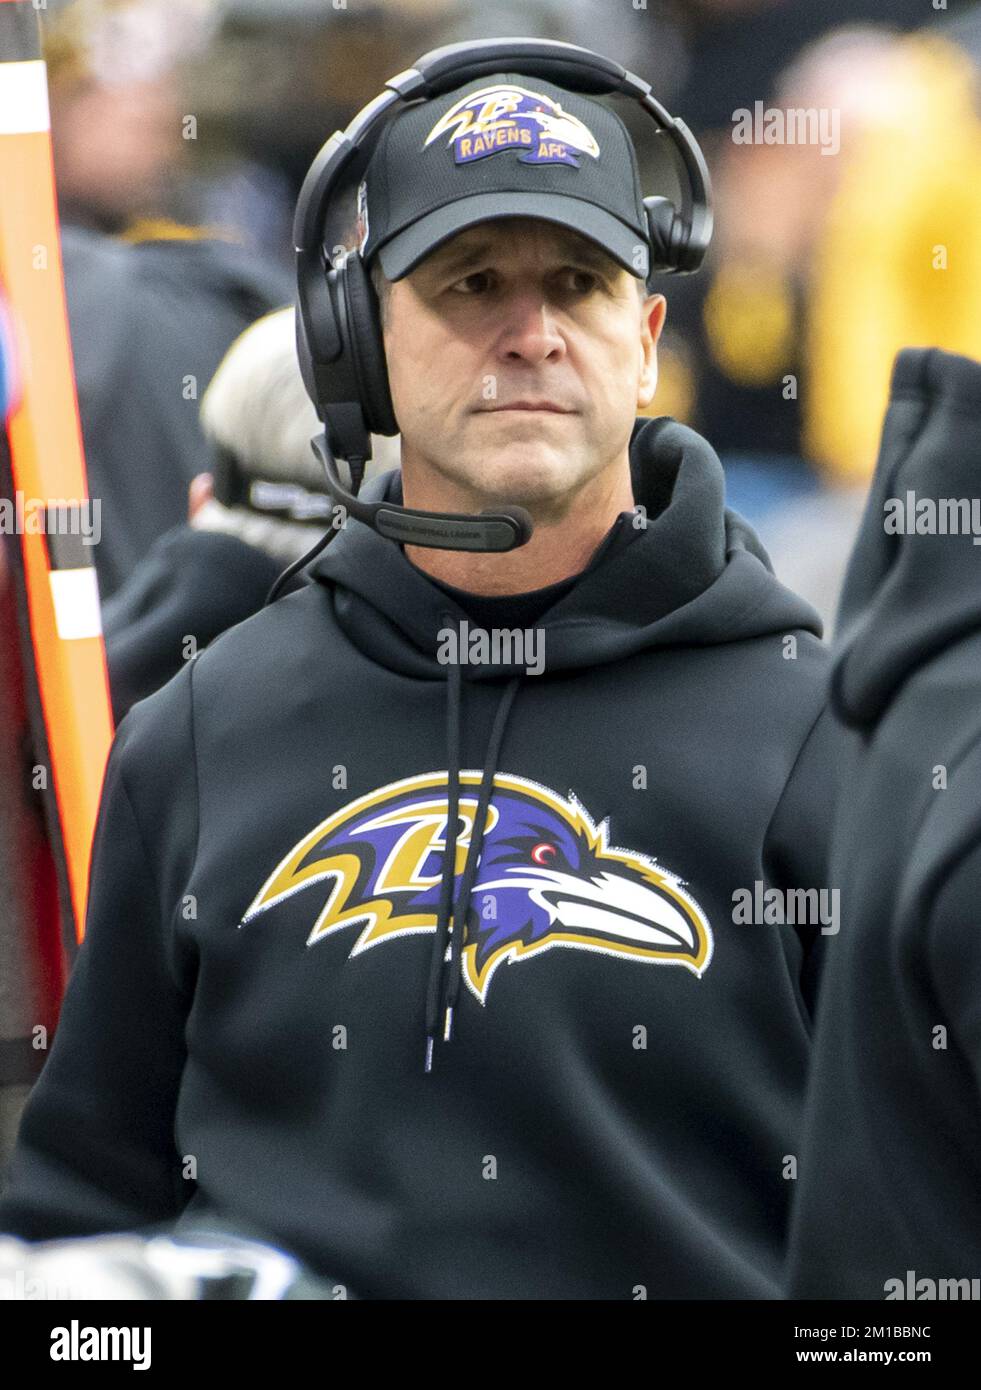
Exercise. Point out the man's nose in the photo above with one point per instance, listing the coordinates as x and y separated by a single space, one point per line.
530 331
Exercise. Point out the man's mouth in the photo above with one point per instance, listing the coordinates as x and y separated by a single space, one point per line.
549 407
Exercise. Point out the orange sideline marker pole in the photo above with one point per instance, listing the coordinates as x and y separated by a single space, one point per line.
57 584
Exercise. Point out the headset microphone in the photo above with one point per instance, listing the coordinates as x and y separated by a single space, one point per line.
504 529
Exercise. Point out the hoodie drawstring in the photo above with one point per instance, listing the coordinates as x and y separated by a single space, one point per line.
451 927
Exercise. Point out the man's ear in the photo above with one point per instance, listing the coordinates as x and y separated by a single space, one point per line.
200 490
652 315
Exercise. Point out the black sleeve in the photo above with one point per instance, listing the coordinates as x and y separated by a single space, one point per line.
796 848
190 584
95 1149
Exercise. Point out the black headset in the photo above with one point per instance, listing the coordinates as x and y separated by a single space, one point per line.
338 330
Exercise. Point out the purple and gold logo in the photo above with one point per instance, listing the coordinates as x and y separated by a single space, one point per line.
547 877
507 117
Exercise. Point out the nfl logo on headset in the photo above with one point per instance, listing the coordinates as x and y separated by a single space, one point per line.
508 117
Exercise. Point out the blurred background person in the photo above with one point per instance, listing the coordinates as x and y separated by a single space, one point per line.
153 300
896 263
260 506
150 321
822 270
761 384
114 83
899 260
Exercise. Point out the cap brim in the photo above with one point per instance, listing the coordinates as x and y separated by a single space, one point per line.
407 248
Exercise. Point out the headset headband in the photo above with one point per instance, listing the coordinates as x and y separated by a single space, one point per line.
454 65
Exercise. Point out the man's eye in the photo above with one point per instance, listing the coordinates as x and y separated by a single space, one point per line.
475 283
579 281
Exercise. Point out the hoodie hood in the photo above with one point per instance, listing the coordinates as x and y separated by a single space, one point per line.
693 574
912 587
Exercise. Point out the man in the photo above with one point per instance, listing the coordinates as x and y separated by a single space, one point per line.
276 1015
889 1199
150 321
203 576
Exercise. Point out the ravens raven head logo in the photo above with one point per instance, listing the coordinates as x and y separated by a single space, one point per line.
509 117
547 877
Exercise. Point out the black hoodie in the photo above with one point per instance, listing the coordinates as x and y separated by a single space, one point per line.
257 1020
889 1194
190 583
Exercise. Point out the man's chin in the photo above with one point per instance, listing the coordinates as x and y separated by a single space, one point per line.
523 471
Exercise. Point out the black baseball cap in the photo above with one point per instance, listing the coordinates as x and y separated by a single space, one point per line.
501 146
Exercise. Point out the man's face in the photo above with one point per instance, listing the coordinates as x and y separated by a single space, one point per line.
519 354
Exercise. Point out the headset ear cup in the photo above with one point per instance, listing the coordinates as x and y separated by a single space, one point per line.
367 347
664 226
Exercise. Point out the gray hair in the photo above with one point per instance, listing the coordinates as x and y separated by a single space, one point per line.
257 408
